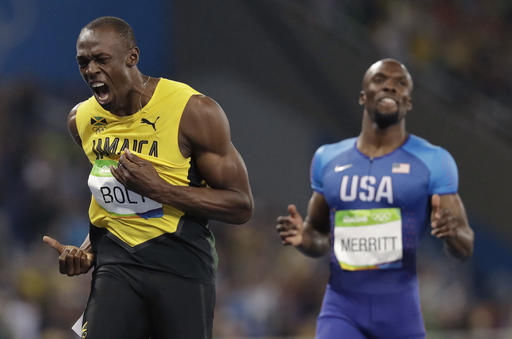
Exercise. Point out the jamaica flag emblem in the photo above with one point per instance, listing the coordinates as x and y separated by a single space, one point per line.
98 124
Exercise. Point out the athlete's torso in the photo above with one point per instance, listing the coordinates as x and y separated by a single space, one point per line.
132 221
379 210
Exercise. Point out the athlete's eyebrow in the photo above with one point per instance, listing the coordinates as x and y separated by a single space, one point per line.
402 78
81 58
382 75
100 55
94 55
379 75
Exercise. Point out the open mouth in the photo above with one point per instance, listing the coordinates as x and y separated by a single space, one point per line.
387 104
101 91
388 101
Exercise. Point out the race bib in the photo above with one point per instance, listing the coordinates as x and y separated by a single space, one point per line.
117 199
368 239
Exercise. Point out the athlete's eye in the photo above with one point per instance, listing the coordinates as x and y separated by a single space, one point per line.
82 63
378 79
102 60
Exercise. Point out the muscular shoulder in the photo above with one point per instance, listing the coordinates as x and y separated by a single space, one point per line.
73 111
427 152
71 124
323 155
326 152
204 124
440 163
200 106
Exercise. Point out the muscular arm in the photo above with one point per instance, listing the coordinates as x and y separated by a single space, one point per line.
73 260
450 223
315 236
71 124
310 236
205 136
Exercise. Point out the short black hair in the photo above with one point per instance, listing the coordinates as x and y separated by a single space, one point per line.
119 25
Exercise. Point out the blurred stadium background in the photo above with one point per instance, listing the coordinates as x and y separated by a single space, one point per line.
287 73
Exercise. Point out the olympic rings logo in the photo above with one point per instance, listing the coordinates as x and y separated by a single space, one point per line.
382 217
98 129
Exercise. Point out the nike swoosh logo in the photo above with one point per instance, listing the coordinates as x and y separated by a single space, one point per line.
342 168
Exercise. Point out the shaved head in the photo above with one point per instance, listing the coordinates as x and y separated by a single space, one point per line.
386 92
374 67
118 25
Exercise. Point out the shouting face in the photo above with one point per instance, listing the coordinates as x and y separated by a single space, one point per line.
105 59
386 93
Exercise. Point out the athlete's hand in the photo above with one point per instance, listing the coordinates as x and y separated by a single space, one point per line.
72 260
444 223
290 227
136 174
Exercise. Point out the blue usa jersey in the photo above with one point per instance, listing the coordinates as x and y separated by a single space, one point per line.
379 209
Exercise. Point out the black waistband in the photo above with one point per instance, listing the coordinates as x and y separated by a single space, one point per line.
189 253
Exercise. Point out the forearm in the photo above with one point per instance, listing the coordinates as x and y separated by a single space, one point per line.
461 245
220 204
314 243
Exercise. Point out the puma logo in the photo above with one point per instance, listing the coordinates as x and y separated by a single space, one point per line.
146 121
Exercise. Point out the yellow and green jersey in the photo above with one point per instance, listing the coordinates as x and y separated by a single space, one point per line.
128 218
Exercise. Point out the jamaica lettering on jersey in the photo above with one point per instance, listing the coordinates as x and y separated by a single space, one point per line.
125 226
380 210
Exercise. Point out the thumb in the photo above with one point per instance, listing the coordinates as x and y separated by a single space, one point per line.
436 203
90 256
292 210
53 243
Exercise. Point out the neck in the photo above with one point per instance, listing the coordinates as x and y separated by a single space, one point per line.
375 141
136 97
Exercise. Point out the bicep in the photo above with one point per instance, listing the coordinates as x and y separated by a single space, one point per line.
205 128
318 214
223 168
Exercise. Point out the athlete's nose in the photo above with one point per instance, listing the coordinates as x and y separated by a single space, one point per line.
91 68
389 87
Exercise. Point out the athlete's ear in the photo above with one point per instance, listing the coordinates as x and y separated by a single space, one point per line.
133 57
362 98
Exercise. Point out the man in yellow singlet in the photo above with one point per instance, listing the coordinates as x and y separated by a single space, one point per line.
162 165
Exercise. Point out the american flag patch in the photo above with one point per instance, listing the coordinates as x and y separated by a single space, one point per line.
401 168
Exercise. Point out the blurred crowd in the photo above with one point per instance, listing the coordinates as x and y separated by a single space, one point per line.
466 38
263 289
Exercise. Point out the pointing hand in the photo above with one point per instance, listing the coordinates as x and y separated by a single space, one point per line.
72 260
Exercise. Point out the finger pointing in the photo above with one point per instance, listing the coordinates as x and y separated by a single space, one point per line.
53 243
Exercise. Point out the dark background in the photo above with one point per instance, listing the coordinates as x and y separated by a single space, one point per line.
288 75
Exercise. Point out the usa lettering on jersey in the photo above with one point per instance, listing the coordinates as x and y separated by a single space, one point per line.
366 188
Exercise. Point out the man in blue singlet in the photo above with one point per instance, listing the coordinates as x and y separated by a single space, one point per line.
373 199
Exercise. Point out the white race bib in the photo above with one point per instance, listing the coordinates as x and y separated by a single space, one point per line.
114 197
368 239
